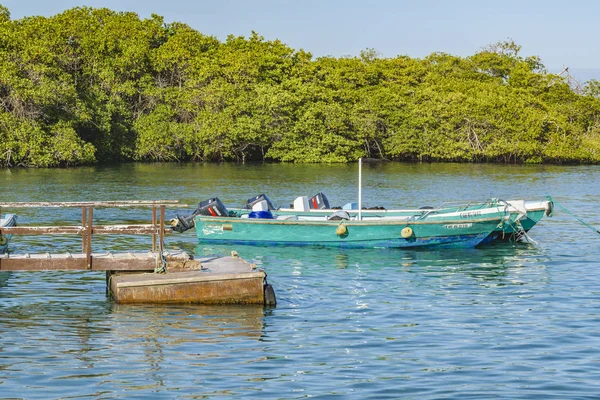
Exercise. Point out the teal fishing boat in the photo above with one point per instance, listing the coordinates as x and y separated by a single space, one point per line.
262 228
7 221
523 215
310 222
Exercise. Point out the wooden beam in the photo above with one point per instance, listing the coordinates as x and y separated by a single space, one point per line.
154 224
42 264
43 230
142 229
123 203
83 219
97 261
161 231
88 236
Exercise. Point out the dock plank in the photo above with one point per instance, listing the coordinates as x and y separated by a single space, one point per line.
99 261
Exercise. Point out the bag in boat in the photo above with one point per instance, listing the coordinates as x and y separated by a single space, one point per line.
338 216
261 214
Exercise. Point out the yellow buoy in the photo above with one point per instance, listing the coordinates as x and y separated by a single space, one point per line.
3 240
406 232
341 230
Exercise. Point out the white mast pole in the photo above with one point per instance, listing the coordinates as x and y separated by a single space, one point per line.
360 189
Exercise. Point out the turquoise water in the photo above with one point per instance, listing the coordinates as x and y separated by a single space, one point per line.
518 320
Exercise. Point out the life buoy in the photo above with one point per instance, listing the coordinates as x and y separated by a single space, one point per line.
3 240
406 232
341 230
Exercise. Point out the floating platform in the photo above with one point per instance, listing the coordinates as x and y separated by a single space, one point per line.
221 280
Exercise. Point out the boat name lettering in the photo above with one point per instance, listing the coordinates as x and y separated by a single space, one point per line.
212 229
458 226
469 214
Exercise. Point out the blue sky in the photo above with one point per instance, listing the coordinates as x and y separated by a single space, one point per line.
561 33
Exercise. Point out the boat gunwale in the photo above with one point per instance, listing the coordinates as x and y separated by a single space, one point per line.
537 205
379 222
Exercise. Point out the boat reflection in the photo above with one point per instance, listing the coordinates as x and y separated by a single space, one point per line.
494 262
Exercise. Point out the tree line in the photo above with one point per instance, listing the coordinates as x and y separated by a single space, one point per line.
93 85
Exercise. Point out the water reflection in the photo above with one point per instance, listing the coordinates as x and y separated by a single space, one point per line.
77 302
499 263
56 346
194 323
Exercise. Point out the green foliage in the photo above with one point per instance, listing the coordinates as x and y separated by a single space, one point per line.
4 14
93 85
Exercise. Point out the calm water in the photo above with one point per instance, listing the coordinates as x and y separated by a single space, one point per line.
511 321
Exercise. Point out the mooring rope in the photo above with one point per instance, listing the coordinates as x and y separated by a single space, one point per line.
161 261
576 217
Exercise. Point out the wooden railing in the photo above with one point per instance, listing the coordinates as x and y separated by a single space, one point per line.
87 229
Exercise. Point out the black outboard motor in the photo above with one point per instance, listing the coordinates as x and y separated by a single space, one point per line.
252 201
319 202
210 207
182 223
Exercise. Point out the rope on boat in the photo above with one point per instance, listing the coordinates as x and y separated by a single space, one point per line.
527 237
518 229
577 218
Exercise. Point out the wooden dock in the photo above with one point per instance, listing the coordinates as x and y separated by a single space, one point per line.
156 276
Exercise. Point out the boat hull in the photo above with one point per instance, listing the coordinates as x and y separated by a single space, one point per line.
346 234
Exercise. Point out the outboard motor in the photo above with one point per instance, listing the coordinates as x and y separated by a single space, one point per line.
182 223
257 199
319 202
210 207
